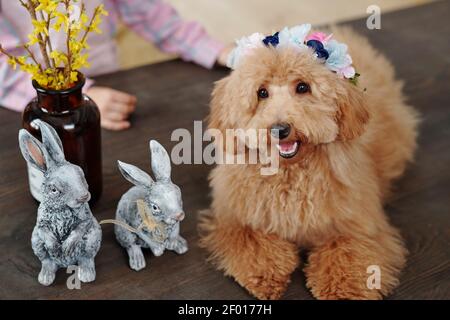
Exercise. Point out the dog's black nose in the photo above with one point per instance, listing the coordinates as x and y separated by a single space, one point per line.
280 130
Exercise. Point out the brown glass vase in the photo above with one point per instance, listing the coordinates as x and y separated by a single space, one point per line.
76 118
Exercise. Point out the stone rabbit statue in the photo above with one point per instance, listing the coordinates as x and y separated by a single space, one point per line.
149 214
66 232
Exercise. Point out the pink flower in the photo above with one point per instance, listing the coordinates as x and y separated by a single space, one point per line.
319 36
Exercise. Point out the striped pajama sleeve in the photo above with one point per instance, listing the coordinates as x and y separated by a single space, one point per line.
159 23
15 86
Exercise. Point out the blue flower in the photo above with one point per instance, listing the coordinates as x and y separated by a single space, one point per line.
315 44
338 58
272 40
295 35
318 48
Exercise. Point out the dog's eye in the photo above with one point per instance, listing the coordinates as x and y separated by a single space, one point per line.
263 93
302 88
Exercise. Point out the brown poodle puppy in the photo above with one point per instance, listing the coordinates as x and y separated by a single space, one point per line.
349 142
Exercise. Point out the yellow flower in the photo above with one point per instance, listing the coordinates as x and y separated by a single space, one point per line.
31 69
75 28
47 5
39 27
74 76
95 23
13 63
21 60
84 44
42 80
75 47
61 19
102 11
33 39
60 77
80 61
97 19
84 19
59 57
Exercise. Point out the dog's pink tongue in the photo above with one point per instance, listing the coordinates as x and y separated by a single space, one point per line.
286 146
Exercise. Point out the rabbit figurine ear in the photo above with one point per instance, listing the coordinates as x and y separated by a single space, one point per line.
160 161
53 149
32 150
135 175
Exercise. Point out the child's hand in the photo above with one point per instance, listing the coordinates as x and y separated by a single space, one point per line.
115 107
223 56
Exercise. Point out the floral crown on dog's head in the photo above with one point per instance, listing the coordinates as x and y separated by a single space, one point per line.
332 53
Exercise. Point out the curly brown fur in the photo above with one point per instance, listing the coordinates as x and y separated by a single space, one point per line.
271 258
329 197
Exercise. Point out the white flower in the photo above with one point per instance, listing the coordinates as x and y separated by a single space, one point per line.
244 47
295 35
347 72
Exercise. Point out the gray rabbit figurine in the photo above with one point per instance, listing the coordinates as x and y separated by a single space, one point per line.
159 228
66 232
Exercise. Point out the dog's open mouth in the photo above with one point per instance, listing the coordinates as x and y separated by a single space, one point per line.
288 149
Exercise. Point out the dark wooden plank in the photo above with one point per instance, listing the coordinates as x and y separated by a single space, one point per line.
172 95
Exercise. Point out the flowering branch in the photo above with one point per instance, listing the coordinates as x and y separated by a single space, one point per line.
48 42
31 7
59 70
26 47
5 53
89 28
69 54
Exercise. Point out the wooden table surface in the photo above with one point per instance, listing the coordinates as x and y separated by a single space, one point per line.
172 95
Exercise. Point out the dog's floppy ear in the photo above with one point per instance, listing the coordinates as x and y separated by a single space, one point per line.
219 117
232 98
216 119
352 114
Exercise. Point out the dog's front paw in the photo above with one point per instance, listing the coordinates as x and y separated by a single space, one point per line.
340 285
329 288
267 287
337 270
